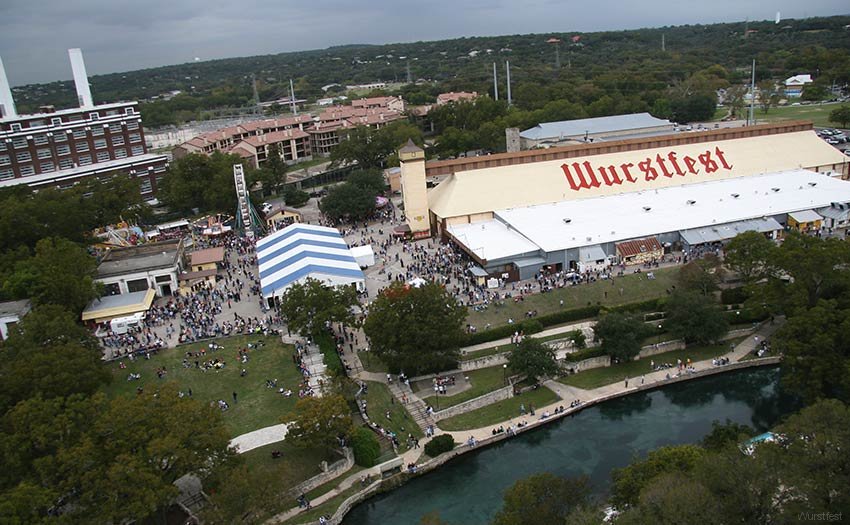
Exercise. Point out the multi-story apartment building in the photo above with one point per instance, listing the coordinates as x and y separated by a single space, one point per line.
299 136
61 147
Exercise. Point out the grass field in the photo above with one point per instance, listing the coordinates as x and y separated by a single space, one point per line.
257 405
483 380
295 464
636 287
325 509
499 411
379 400
817 113
596 377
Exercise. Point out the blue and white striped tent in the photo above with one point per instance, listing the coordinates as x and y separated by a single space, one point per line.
300 251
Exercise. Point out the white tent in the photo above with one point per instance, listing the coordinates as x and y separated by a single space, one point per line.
364 255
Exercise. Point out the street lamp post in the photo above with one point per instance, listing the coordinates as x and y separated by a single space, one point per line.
659 333
505 374
437 395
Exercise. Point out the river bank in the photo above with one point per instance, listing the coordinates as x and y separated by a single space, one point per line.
397 480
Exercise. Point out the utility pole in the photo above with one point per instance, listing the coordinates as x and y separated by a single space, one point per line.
663 46
292 105
752 118
256 95
495 82
508 73
409 80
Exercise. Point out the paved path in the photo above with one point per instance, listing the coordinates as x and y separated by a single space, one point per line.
411 456
259 438
570 393
584 326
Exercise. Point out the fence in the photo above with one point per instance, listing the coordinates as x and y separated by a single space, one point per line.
332 471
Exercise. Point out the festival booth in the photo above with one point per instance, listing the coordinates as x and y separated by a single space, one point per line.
123 307
364 255
639 251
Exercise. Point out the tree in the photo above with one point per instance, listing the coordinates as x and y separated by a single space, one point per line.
542 498
319 421
348 201
310 306
673 498
416 330
370 148
365 447
695 318
700 275
63 274
750 255
816 352
247 495
201 181
694 108
630 481
621 335
113 461
272 174
725 435
533 359
769 95
816 266
371 180
814 463
578 339
48 355
295 197
840 116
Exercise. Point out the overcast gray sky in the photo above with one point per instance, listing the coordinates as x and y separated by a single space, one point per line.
120 35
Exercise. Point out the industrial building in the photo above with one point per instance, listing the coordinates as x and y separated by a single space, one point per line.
590 205
61 147
615 127
305 251
153 266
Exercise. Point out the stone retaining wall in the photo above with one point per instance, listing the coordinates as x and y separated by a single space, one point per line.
480 401
484 362
434 463
334 470
587 364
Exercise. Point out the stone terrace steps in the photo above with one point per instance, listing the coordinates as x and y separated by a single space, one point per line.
416 407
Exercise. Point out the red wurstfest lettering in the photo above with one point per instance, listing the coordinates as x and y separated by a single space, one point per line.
583 175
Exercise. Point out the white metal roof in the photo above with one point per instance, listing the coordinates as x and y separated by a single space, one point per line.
578 127
586 222
723 232
492 239
805 216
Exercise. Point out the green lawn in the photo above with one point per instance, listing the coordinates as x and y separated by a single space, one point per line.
817 113
483 380
257 406
332 484
469 356
636 287
597 377
371 363
379 400
296 464
500 411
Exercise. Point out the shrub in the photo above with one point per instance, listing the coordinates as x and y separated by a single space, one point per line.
332 359
365 446
295 197
733 295
439 444
531 326
581 355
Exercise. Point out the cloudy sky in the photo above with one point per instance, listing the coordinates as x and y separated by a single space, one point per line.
121 35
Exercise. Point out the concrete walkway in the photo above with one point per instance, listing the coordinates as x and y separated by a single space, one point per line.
569 393
411 456
259 438
584 326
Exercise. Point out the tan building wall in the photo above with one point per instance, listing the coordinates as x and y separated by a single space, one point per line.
414 190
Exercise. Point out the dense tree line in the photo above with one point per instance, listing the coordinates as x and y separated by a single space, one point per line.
627 65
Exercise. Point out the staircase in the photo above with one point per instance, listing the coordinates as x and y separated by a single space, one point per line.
416 407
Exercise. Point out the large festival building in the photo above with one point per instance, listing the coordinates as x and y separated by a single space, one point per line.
587 206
